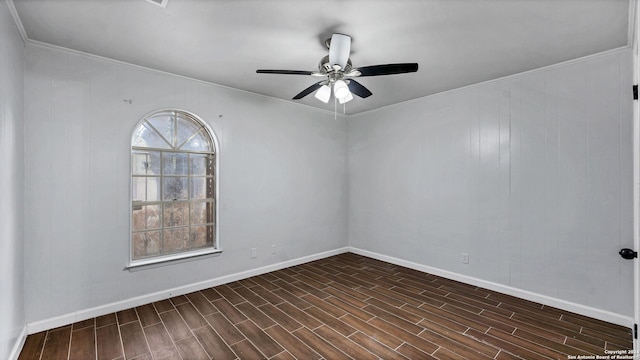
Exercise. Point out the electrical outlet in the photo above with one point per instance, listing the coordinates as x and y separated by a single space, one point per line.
254 253
273 249
465 258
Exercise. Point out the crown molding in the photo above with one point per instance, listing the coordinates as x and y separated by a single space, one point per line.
17 20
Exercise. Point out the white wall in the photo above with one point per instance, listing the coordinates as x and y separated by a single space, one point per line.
12 185
282 181
531 175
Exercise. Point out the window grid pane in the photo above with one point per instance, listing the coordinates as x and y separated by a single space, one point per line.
175 211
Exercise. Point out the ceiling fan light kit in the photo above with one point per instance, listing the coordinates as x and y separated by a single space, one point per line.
323 94
340 89
346 99
338 71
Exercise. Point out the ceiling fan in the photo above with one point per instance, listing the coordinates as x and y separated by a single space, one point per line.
338 73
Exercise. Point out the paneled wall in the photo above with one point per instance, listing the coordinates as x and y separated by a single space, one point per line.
530 175
11 185
282 180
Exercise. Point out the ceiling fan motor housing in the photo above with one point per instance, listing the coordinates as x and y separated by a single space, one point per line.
325 67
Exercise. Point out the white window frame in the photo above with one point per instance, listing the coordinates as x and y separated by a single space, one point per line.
187 255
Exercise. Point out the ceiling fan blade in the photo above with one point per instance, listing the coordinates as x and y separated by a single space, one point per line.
308 90
339 50
358 89
285 72
388 69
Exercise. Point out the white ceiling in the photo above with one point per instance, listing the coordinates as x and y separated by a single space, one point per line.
455 42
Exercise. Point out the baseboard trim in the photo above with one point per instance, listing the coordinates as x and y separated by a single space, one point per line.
37 326
523 294
17 347
51 323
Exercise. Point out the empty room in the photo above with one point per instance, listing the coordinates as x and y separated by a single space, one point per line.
321 179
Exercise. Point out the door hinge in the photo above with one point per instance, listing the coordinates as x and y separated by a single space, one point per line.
635 92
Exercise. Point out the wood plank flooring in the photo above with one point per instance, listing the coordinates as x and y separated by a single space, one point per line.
342 307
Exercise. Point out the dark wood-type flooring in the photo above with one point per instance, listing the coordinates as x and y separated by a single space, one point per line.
342 307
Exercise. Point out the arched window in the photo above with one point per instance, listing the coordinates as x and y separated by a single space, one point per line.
173 188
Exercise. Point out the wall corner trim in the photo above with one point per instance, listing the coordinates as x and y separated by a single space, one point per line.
70 318
595 313
17 347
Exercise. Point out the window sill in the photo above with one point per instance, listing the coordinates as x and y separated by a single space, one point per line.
152 263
